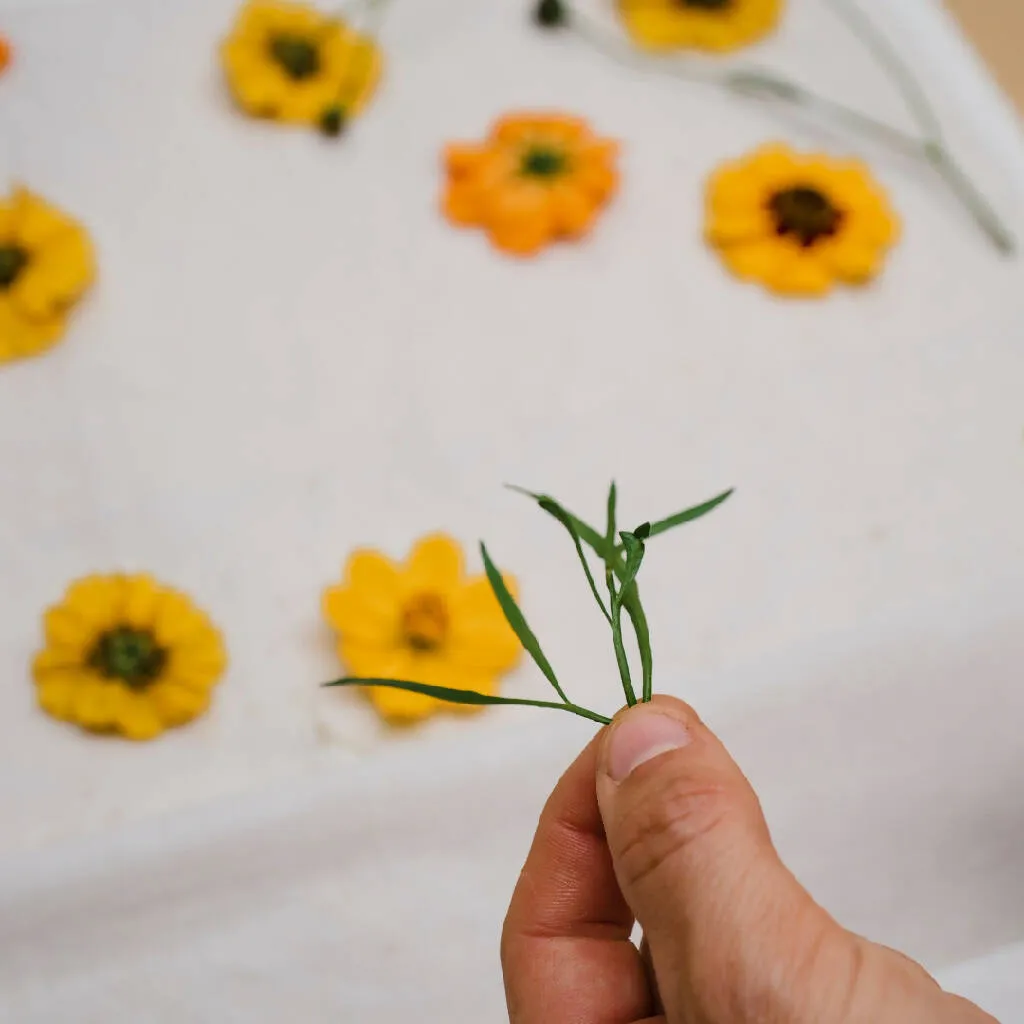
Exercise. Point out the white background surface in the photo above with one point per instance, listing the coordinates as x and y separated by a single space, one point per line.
290 353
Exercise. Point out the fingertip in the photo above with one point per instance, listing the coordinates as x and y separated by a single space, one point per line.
643 732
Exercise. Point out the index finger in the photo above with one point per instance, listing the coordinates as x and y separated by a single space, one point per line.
565 947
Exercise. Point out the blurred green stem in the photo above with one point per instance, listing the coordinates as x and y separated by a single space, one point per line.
756 83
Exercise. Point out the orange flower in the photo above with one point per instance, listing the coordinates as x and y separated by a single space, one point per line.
5 53
536 178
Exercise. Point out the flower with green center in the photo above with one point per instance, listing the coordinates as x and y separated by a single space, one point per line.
13 259
543 162
535 179
299 57
130 655
125 654
46 264
290 62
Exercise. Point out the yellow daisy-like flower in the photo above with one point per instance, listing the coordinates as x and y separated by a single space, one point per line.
289 62
716 25
422 622
798 223
46 263
125 654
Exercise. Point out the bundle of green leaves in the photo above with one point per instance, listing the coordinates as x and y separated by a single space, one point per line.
621 553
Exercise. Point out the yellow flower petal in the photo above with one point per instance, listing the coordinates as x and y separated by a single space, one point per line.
137 718
57 695
176 705
373 660
851 260
97 705
373 622
400 707
481 638
373 575
177 620
37 223
142 597
56 275
197 666
741 226
22 336
434 565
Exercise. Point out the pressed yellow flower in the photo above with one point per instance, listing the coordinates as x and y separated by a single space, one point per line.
422 621
799 222
289 62
126 654
46 263
535 179
716 25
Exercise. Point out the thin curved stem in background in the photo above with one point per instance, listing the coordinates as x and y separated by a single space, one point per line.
762 84
934 147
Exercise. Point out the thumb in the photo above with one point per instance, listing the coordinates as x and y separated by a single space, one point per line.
723 917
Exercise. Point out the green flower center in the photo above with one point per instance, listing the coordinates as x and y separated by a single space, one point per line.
706 5
806 213
12 262
543 162
425 622
130 655
299 56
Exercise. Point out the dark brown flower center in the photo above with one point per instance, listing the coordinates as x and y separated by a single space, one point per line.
425 622
543 162
706 5
13 260
297 55
806 213
129 655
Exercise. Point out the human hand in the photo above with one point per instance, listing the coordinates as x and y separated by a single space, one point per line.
672 836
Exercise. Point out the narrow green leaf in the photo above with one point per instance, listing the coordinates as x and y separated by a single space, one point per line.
554 509
634 557
587 533
689 515
453 696
611 528
517 621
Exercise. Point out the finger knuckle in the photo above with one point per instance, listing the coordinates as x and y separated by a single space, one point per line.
666 821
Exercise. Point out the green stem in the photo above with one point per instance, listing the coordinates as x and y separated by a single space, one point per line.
979 207
574 709
635 611
933 148
620 648
888 56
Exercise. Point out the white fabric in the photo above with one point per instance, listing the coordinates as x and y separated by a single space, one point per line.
290 353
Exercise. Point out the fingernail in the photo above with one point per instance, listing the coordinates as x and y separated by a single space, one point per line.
641 735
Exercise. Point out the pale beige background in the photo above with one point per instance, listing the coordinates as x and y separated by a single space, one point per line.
997 27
